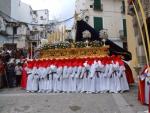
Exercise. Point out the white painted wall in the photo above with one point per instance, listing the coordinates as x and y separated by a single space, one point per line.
21 11
5 6
111 14
42 16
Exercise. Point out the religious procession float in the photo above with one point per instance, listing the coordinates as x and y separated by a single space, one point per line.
90 64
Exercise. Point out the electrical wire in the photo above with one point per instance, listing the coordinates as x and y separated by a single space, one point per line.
11 19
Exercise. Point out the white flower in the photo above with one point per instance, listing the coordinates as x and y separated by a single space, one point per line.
86 34
44 41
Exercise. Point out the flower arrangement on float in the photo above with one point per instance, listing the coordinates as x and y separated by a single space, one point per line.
65 45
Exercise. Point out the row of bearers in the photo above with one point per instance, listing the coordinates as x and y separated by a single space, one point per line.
92 75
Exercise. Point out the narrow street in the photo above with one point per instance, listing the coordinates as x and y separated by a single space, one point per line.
18 101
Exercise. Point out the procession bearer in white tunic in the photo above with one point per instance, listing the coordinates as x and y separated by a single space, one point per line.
98 76
40 73
147 85
73 78
83 79
35 81
106 76
65 77
112 74
42 76
117 78
123 80
45 72
101 70
69 73
49 78
92 76
77 76
54 75
59 76
29 71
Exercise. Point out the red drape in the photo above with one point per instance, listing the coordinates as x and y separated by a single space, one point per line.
24 79
129 74
141 91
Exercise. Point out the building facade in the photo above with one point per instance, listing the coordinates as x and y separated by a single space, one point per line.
137 34
23 25
105 14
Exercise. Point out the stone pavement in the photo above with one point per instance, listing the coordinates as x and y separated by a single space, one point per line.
18 101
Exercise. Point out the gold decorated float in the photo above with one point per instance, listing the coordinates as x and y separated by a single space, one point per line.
75 52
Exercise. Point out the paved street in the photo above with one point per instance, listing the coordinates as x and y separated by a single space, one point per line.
18 101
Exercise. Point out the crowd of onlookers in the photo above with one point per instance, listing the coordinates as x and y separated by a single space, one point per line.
11 62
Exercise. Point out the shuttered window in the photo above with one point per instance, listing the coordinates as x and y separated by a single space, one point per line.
98 23
125 27
123 7
97 5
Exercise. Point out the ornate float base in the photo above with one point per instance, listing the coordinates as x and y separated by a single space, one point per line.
75 52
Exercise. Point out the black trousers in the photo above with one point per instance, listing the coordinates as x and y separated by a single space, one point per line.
18 80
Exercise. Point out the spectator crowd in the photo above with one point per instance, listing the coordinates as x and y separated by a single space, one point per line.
11 62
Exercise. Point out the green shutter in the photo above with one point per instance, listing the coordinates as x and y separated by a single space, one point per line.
98 23
123 7
97 5
124 27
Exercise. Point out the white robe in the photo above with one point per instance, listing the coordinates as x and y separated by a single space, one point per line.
123 80
73 80
35 80
117 79
49 81
92 77
82 83
105 85
78 79
29 79
69 73
59 79
99 73
44 80
54 75
147 90
65 79
112 74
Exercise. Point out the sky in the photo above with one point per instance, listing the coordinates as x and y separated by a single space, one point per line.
58 9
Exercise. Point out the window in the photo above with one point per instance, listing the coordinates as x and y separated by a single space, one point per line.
34 12
14 30
98 23
125 27
97 5
91 6
123 7
41 18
